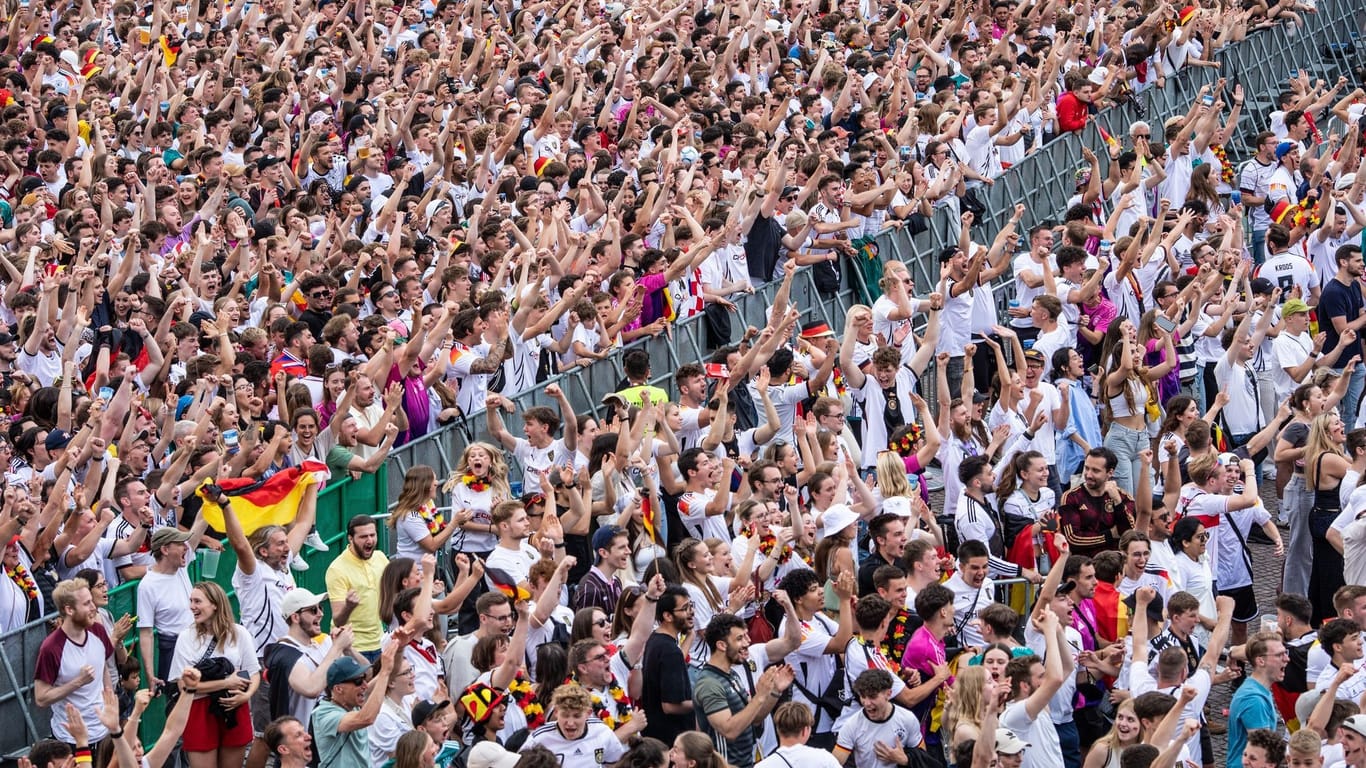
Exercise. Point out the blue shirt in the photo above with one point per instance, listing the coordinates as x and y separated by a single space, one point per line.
1250 709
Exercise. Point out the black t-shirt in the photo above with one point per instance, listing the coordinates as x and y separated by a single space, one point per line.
316 321
1344 301
763 246
667 673
280 658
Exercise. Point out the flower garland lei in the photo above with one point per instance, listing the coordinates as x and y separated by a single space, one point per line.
525 696
894 644
476 484
20 576
432 517
613 717
768 542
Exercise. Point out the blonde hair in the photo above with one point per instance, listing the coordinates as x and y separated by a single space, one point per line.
571 697
891 475
965 705
1320 442
1305 742
498 469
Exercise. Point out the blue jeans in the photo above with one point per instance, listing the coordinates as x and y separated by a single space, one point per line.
1126 443
1296 502
1197 387
1258 246
1238 440
1070 741
1351 402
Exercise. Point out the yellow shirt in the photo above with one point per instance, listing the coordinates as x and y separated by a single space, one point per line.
349 572
632 395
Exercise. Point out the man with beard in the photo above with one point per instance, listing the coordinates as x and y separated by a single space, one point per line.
514 556
978 518
262 577
299 661
71 663
353 585
1095 514
496 617
163 602
667 701
732 719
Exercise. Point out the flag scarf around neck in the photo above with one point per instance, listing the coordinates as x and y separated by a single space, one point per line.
265 502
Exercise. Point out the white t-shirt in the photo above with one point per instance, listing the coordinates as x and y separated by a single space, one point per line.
1039 732
1044 441
597 746
1243 412
895 333
1288 269
164 602
1025 264
1290 351
859 658
692 508
516 563
798 754
258 598
534 459
394 720
861 734
190 647
814 667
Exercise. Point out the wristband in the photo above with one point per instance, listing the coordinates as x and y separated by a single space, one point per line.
83 756
118 735
649 599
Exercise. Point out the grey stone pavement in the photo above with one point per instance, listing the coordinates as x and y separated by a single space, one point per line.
1266 582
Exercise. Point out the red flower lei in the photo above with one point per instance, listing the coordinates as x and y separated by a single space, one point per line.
617 715
894 644
476 484
768 542
20 575
432 517
525 695
1225 168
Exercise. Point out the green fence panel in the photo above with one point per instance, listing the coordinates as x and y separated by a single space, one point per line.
337 503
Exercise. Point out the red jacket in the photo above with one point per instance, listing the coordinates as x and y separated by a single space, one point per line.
1072 113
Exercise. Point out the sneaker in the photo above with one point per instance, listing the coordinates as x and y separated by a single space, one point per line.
315 541
298 563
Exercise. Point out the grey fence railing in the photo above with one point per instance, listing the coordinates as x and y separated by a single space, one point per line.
1329 44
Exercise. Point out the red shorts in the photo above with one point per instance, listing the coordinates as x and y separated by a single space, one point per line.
205 732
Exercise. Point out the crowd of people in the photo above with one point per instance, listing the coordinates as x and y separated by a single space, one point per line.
256 245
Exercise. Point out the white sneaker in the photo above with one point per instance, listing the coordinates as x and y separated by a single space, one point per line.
298 563
315 541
